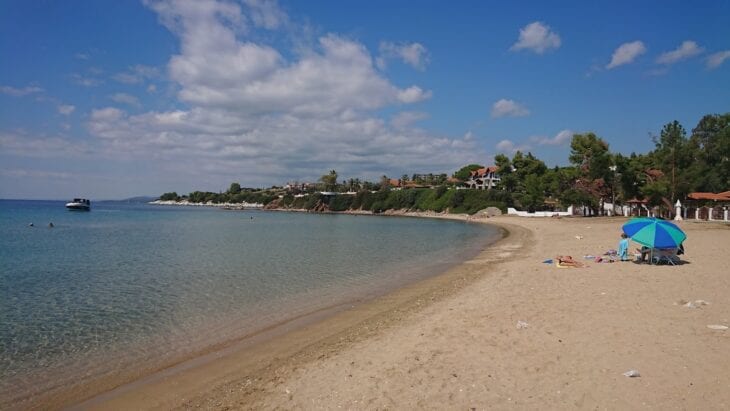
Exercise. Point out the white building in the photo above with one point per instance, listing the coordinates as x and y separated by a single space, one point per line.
483 179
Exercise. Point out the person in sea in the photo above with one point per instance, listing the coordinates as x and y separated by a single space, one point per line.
623 247
568 261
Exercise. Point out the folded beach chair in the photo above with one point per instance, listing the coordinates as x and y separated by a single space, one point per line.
665 256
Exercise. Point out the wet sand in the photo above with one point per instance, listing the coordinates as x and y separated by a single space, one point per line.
452 342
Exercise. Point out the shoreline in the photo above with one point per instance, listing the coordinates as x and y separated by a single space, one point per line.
451 341
230 206
108 387
536 336
258 364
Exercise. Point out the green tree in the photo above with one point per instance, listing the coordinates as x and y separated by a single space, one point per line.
464 172
172 196
533 197
508 180
527 165
234 189
672 157
710 148
589 153
329 181
384 183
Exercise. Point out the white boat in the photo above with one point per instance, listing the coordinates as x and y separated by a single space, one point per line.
80 204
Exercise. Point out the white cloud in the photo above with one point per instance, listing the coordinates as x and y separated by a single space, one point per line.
81 56
216 69
86 81
537 37
715 60
626 53
278 148
407 118
563 137
508 146
686 50
505 145
508 108
136 74
413 94
414 54
125 98
107 114
38 174
266 13
19 92
40 146
269 115
66 109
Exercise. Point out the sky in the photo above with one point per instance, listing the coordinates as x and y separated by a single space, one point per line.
110 99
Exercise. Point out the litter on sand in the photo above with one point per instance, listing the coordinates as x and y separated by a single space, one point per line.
695 303
548 261
632 373
717 327
522 325
579 237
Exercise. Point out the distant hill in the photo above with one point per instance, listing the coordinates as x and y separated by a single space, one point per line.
139 199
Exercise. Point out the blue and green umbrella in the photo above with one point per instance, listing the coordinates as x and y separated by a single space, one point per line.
654 233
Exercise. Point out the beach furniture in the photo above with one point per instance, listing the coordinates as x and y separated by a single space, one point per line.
654 233
665 256
663 238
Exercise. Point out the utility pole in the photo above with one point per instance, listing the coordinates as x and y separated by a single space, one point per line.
613 189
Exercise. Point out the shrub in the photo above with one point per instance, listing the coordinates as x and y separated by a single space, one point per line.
341 202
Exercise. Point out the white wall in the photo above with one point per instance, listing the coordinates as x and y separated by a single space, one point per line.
512 211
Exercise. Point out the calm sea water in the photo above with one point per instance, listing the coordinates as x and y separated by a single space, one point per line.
129 286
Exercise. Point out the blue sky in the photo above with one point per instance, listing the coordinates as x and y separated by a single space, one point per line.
109 99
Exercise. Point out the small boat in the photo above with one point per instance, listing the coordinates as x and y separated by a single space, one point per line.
79 204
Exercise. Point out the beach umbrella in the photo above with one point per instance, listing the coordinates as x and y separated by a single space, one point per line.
654 233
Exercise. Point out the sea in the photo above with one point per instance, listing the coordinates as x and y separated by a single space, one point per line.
134 286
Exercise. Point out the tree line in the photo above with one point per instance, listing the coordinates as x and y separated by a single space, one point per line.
678 164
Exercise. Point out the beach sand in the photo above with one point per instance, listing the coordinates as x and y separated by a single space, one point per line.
453 341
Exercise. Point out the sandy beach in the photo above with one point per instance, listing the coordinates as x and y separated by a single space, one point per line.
502 330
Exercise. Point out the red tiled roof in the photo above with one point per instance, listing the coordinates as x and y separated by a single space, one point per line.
484 171
654 172
724 196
